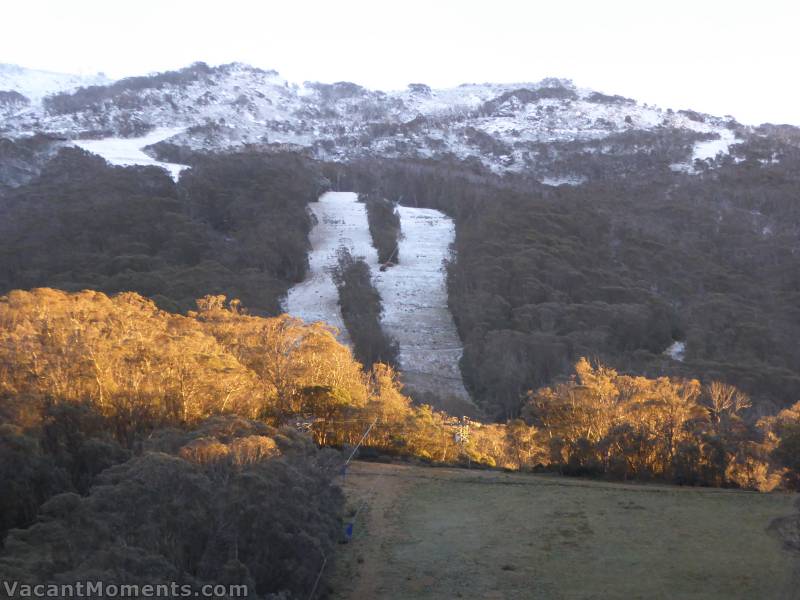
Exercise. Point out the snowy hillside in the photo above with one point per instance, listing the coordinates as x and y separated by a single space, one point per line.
503 126
708 150
35 85
414 296
549 132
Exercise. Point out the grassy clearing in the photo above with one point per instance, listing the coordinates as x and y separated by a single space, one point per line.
447 533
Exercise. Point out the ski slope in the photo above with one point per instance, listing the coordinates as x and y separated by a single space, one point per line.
128 151
341 222
415 310
414 294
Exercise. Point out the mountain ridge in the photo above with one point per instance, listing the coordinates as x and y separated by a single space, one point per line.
501 126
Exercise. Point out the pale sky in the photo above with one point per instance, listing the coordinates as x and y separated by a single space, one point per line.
735 57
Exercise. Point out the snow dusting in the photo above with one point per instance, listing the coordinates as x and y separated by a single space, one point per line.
235 105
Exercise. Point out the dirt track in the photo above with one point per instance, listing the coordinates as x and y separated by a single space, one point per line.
449 533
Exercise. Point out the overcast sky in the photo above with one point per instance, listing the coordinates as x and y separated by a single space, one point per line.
735 57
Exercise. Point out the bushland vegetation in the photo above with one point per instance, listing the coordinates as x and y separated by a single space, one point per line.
633 154
669 429
142 446
22 159
12 99
137 368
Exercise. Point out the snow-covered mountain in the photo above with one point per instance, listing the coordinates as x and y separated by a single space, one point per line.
503 126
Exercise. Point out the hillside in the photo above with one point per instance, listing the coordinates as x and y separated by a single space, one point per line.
444 533
586 224
620 267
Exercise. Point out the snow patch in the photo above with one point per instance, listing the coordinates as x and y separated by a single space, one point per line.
128 151
565 180
709 149
676 351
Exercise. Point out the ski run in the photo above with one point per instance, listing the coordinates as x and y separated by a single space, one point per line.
414 293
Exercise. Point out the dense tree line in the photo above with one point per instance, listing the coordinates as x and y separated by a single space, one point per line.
384 227
360 304
234 224
141 368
